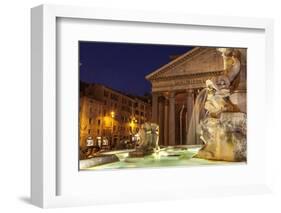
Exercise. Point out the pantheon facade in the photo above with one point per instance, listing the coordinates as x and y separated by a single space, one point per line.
176 85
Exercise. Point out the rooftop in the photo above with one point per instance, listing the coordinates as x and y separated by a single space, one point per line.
84 86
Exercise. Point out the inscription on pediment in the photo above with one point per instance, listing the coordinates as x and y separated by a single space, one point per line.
178 83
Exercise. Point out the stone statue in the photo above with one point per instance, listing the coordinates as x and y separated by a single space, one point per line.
223 130
147 143
224 137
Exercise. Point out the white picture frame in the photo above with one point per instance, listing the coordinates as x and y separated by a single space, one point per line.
44 154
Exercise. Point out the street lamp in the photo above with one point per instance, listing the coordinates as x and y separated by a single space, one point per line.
134 129
133 124
112 114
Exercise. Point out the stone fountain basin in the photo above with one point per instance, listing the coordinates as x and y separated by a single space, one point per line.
98 160
167 157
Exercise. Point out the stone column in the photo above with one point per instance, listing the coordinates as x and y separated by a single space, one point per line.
154 118
161 120
189 104
181 125
172 122
166 122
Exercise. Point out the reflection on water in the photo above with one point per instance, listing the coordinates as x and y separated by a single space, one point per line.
166 157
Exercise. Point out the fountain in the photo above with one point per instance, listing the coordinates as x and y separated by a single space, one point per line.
147 142
198 114
216 121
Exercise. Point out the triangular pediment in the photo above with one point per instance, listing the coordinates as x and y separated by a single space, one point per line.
199 60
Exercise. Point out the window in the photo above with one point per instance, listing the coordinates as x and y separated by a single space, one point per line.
114 97
124 101
125 108
99 122
90 120
89 131
105 93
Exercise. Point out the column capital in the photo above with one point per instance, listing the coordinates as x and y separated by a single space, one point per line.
156 94
190 91
171 95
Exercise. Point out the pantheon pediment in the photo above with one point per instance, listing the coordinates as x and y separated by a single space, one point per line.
197 61
190 70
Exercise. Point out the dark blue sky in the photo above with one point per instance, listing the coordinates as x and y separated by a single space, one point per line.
123 66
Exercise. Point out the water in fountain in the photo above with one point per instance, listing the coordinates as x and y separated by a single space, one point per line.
198 113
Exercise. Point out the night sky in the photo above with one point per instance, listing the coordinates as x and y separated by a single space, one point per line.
123 66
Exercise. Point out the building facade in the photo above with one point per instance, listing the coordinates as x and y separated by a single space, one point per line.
107 113
176 85
91 119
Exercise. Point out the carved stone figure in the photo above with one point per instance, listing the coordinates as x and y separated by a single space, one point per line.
224 137
232 66
147 143
223 130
